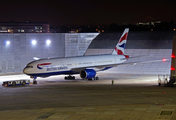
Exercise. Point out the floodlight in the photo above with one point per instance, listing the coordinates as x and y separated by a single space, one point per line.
7 42
48 42
34 42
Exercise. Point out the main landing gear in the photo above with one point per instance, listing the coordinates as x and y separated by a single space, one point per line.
94 78
73 78
69 77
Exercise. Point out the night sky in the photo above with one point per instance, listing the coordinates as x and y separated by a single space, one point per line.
88 12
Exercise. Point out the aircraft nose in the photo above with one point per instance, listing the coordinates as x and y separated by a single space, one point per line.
24 71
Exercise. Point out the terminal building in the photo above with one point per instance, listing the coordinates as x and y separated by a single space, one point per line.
24 27
17 49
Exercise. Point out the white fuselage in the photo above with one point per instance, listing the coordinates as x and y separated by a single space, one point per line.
71 65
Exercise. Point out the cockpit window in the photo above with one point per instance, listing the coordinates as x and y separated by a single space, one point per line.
29 66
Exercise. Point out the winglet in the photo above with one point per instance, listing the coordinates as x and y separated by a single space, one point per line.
120 47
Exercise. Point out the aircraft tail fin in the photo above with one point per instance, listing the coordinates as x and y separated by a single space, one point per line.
120 47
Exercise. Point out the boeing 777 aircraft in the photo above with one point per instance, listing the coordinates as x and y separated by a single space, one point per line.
86 66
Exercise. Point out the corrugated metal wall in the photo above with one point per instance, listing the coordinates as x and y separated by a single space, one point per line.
154 45
20 51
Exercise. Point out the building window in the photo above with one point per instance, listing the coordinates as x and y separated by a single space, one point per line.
10 31
36 28
4 28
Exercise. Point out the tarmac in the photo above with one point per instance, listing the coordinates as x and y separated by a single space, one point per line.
131 97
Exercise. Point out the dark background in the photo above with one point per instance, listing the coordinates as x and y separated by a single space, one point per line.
88 12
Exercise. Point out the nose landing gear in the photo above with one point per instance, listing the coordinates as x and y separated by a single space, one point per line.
34 79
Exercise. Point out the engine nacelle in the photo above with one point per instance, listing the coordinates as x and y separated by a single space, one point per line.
87 73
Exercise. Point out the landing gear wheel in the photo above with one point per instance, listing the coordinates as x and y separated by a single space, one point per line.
69 77
93 78
34 80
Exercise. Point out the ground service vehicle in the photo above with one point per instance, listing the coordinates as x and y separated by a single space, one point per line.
16 82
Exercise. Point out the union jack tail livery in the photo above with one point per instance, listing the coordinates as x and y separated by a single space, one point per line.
120 47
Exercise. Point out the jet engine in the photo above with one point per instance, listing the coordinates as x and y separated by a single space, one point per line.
87 73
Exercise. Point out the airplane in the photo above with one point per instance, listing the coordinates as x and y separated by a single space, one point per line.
86 66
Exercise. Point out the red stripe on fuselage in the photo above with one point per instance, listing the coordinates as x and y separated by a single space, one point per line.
43 64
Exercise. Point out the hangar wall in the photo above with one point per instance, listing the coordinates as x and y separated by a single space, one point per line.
20 51
77 43
157 45
152 45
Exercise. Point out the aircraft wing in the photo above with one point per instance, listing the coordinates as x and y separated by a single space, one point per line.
136 62
96 68
135 57
106 67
